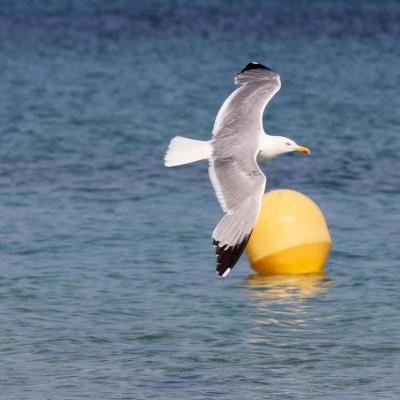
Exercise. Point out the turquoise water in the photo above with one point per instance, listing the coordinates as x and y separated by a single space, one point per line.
107 281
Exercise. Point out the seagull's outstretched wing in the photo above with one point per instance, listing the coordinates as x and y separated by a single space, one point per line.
243 110
237 180
239 184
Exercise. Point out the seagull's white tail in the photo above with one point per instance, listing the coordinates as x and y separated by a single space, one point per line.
183 150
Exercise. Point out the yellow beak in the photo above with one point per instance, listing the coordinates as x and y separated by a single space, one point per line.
302 149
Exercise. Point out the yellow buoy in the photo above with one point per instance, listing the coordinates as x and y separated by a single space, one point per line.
290 236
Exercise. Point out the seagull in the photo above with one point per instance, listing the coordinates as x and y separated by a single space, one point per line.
237 144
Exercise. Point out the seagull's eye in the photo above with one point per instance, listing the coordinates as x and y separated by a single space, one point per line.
287 143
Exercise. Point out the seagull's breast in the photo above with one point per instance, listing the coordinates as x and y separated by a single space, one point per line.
266 148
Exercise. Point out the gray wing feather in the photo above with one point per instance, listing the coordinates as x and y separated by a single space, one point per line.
239 185
240 189
243 109
237 180
237 129
234 173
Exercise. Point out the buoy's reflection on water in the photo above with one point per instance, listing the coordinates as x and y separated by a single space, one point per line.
289 287
283 305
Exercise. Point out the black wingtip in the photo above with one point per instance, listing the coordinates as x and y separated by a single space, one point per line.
227 257
254 65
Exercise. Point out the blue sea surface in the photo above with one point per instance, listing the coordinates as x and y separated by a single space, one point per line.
107 271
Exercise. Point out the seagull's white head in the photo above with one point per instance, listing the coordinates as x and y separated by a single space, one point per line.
274 146
286 145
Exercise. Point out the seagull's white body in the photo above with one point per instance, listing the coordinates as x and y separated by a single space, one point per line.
238 142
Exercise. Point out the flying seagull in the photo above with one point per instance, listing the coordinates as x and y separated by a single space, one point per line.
238 142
